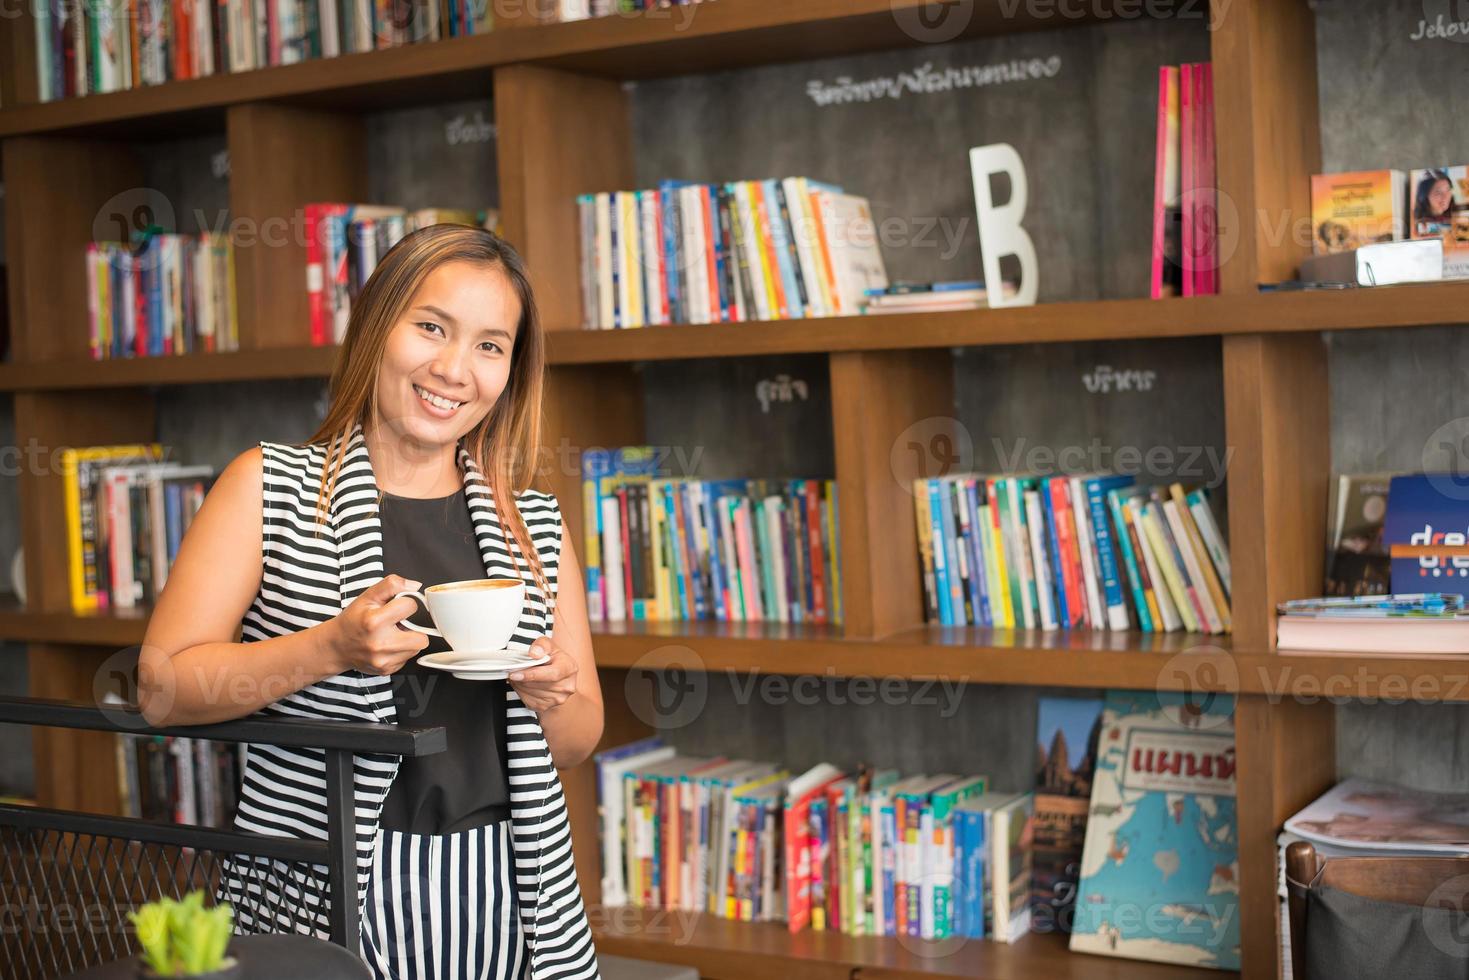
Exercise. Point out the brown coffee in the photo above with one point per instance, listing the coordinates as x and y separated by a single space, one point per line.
488 583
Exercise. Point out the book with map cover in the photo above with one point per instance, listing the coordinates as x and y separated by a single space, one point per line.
1160 869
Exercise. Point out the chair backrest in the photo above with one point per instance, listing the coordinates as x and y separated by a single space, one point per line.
1404 880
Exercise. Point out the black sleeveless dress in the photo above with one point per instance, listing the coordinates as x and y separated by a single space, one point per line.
431 540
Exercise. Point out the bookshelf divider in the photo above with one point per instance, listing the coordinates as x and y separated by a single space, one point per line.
877 397
281 159
1265 102
559 135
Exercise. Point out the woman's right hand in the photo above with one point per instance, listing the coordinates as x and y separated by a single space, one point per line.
366 636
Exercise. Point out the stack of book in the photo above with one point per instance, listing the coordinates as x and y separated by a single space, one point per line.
1185 195
83 48
1079 552
865 853
345 242
1431 622
126 514
718 253
929 297
172 294
727 550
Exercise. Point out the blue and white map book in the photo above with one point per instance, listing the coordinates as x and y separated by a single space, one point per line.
1160 868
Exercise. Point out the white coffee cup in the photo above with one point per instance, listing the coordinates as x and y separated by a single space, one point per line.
475 616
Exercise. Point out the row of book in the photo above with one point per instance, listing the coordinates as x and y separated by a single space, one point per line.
867 854
1352 210
179 780
1132 808
126 513
345 242
726 550
171 294
1071 552
94 46
719 253
1185 192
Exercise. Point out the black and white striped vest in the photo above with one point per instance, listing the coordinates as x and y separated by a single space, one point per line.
309 577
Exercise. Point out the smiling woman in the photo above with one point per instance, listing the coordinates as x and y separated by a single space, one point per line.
419 474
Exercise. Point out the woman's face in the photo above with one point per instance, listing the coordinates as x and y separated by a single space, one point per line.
448 358
1441 197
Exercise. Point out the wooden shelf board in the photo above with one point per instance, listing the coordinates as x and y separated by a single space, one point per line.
1393 306
1389 307
707 37
118 627
1086 659
183 369
759 950
972 655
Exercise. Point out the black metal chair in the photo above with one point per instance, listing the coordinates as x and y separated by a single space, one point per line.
67 879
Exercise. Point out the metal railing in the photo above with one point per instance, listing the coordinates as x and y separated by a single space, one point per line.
67 878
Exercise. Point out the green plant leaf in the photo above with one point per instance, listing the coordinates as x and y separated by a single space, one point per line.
151 922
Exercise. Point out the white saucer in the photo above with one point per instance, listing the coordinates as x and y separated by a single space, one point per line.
491 665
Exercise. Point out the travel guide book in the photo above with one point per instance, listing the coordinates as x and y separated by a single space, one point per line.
1160 870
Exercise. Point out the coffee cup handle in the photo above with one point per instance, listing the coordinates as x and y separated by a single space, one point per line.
414 626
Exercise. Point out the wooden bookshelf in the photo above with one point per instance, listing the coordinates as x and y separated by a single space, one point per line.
292 132
717 36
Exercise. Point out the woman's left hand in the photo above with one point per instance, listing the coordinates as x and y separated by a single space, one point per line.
550 684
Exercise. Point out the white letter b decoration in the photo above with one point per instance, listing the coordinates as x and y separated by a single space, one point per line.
1000 233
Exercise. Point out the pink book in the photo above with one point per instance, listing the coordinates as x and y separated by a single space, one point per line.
1373 635
1165 185
1211 182
754 608
1189 199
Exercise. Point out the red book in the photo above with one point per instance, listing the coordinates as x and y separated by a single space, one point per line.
1076 610
1190 180
317 270
181 37
1210 227
626 551
711 239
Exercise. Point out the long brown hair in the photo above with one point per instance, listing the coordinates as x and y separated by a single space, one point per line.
506 443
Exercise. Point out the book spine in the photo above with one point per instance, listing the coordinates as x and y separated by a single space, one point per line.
1116 610
1190 177
1035 523
1130 562
1086 542
1164 556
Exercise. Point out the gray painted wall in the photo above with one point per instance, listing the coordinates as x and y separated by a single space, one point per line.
1390 101
1086 136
